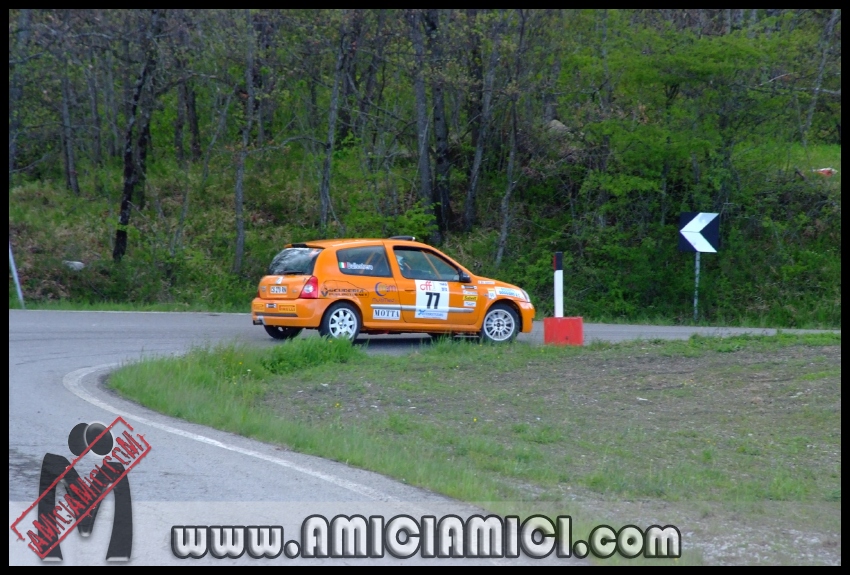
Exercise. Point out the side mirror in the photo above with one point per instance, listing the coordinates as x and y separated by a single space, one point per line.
464 278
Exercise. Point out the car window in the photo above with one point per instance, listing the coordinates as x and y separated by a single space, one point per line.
364 261
294 261
416 264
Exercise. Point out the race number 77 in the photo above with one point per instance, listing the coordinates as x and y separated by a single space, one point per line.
433 297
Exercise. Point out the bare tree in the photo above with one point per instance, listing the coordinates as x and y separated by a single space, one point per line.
442 199
324 189
131 167
243 151
16 84
509 188
486 98
513 93
415 19
824 48
71 181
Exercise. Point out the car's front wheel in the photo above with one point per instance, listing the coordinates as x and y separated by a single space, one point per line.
280 332
341 321
501 324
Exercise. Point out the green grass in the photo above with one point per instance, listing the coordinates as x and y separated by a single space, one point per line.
730 421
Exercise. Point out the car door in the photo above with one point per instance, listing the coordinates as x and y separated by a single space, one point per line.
367 270
430 291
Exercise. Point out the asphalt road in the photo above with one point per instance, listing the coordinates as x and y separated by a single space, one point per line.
194 475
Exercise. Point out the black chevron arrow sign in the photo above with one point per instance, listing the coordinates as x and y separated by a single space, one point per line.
699 232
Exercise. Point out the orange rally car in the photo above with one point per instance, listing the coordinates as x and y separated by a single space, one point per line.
346 287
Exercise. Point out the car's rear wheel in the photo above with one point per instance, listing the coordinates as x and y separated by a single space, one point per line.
341 321
501 324
280 332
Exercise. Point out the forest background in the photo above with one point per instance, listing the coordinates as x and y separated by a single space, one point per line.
174 152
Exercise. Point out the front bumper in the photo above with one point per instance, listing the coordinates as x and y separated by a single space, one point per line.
526 311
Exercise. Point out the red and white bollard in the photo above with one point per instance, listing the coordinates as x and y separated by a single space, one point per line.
560 330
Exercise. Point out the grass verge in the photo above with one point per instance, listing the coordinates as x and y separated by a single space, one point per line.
711 429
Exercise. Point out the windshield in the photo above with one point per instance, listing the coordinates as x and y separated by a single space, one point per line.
294 261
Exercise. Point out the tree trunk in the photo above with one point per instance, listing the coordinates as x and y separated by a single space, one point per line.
737 19
509 188
179 122
16 88
416 20
370 80
605 98
550 99
111 108
70 164
192 117
131 175
701 20
349 86
91 80
142 147
324 189
824 46
752 29
442 198
476 74
243 152
127 82
512 180
487 97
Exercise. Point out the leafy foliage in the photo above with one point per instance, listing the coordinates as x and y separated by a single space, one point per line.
623 120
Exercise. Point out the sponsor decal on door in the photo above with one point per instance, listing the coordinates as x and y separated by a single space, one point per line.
386 314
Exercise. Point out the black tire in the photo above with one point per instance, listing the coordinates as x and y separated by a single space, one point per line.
279 332
501 324
341 321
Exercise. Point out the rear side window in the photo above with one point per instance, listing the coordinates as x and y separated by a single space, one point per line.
295 261
365 261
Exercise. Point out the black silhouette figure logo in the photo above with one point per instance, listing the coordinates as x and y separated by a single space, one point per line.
85 493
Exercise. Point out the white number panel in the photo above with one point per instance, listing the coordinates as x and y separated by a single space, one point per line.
432 300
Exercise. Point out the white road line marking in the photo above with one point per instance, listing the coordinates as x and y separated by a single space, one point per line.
73 383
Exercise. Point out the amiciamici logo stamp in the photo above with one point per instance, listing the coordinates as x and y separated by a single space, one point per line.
404 536
119 451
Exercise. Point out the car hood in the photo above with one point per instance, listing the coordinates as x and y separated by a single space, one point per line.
498 289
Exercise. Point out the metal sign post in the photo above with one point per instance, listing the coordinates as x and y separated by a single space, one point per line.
15 275
698 232
696 287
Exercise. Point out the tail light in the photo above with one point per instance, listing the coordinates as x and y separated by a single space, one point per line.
310 289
